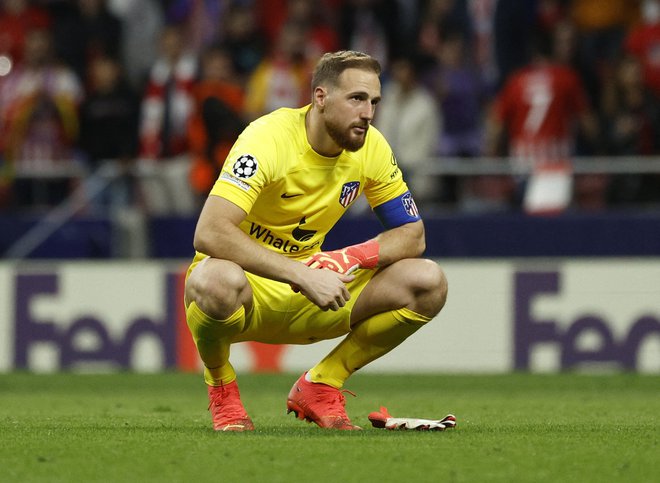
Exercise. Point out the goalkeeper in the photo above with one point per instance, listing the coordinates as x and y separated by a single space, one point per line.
259 272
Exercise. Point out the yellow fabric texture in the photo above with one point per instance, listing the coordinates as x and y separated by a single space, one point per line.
213 338
280 316
368 341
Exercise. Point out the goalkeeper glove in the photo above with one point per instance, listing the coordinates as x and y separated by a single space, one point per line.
382 419
347 260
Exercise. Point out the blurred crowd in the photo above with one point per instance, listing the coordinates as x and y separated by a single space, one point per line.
163 87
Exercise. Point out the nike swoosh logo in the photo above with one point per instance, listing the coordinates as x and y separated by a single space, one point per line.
285 195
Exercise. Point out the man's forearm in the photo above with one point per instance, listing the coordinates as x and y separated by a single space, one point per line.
232 244
405 241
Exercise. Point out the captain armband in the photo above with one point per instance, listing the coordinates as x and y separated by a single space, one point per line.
398 211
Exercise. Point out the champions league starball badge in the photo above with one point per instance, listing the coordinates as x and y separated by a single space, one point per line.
245 166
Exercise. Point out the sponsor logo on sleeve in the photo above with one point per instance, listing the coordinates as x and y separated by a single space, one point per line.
395 171
235 181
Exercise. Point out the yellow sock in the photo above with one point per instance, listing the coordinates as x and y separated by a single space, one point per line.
368 341
212 338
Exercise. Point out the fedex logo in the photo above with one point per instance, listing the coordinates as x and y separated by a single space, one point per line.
63 337
95 336
530 331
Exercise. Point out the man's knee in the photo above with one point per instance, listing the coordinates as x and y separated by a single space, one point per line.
217 286
431 287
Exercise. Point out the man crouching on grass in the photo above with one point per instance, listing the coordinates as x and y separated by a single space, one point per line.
259 273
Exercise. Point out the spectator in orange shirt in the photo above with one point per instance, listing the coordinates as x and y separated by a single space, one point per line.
216 120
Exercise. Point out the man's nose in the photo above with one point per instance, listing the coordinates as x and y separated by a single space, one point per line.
367 113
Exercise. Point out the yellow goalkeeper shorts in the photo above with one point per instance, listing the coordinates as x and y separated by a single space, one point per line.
281 316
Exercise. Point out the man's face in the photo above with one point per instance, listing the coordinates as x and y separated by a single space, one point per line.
349 107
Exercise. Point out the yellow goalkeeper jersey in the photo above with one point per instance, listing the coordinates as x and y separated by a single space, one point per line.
292 195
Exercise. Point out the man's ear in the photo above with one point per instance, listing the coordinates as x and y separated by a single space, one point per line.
320 95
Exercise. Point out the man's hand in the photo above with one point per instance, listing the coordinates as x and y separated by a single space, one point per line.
325 288
347 260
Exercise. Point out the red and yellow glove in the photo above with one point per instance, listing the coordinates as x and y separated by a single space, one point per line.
347 260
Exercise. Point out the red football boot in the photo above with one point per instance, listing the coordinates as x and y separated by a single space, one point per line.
320 404
227 409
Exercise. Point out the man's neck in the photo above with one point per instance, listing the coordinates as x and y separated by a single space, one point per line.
318 137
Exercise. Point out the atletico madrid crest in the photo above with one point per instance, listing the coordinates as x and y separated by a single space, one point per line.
349 191
410 206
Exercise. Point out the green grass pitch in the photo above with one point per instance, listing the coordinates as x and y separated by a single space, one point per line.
511 428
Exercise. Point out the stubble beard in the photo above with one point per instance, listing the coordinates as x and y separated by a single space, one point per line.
342 136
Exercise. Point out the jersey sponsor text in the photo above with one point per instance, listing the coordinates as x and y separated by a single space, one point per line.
267 237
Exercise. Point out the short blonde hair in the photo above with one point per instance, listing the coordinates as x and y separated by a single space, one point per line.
331 65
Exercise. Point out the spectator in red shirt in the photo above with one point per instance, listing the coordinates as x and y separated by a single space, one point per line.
318 16
39 100
17 18
167 100
643 41
166 107
539 109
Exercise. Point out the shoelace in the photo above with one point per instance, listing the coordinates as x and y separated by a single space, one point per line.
229 411
335 400
217 397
